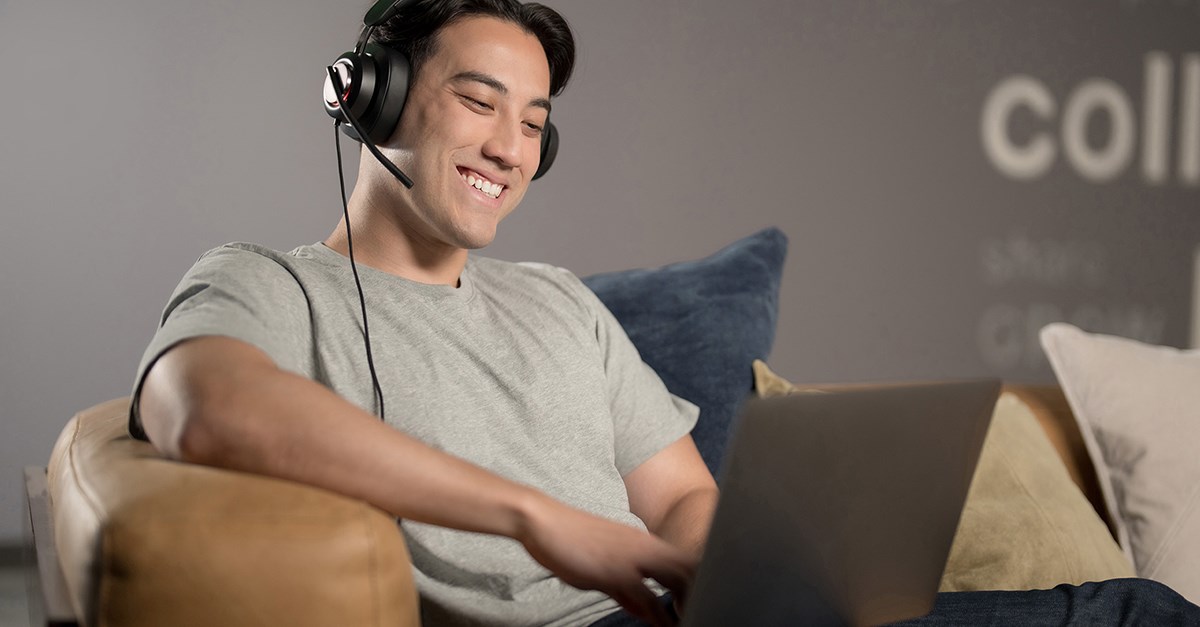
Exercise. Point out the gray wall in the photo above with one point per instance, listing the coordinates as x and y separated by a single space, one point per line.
139 133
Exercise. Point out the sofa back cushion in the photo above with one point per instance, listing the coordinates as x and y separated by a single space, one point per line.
701 324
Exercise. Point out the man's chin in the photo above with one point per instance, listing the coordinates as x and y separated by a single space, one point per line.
475 240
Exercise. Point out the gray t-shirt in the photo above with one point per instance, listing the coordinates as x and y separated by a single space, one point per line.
521 370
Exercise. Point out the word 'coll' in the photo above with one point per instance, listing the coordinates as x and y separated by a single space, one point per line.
1027 159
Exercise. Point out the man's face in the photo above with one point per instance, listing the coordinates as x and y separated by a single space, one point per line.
473 115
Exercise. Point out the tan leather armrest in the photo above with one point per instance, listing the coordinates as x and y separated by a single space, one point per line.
147 541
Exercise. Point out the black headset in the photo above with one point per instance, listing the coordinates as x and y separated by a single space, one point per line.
370 85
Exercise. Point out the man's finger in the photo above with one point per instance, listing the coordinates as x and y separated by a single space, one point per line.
641 602
677 578
677 582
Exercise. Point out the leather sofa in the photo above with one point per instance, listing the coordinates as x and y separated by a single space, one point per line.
144 541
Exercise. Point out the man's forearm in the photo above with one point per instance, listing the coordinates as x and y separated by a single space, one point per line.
247 415
686 523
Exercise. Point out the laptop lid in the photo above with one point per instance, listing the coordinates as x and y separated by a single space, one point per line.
840 507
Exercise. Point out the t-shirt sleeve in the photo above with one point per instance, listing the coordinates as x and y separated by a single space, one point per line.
646 416
238 293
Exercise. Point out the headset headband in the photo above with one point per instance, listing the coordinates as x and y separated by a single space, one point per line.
380 12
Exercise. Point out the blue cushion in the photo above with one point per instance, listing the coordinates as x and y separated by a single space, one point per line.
700 325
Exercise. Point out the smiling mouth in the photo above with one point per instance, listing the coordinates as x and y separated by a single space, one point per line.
477 180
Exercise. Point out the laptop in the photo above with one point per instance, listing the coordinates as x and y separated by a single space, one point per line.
839 507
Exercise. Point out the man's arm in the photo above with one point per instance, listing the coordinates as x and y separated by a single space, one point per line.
675 495
219 401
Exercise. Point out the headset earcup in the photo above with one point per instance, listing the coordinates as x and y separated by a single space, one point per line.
359 76
392 75
549 149
378 80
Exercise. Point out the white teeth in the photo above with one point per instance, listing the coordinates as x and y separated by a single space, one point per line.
483 185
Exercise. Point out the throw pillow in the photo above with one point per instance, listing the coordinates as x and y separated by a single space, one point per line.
1025 524
700 324
1138 407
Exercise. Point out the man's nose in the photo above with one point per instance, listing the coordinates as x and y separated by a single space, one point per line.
505 144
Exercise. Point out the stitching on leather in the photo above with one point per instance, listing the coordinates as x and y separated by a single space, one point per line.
83 488
98 565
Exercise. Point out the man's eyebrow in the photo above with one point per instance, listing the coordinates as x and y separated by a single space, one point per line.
494 83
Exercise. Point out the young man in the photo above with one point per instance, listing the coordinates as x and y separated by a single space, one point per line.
540 469
516 408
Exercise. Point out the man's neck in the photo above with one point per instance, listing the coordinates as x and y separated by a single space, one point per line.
384 244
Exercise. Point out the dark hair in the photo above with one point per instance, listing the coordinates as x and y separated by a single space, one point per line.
413 31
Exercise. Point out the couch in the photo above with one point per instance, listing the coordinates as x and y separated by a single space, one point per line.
141 540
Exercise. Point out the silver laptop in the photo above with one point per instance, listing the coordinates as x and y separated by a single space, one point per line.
838 508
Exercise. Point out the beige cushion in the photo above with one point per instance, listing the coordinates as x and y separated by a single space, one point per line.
1138 407
1025 525
145 541
1050 406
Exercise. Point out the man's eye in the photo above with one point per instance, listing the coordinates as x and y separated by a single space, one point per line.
477 104
535 128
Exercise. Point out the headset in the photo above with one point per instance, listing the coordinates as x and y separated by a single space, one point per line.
367 87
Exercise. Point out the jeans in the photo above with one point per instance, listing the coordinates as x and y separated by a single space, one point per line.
1115 602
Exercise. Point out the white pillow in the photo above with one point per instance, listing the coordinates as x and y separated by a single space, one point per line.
1138 408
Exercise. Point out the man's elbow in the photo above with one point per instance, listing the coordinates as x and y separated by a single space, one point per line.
196 441
182 411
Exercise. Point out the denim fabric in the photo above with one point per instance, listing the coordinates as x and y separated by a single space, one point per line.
700 325
1114 602
1118 602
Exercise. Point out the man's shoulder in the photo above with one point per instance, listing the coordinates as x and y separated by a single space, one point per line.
499 267
533 274
542 282
249 252
254 259
246 268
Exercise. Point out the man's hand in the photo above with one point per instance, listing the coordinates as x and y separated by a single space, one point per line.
593 553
